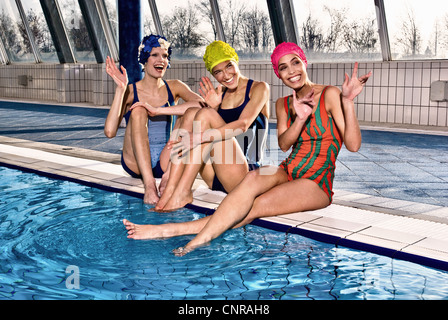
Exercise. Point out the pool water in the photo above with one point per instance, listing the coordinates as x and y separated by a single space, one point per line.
62 240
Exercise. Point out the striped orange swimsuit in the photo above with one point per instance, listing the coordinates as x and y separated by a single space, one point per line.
313 155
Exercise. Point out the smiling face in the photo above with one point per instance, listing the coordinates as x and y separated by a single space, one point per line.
157 62
227 73
292 71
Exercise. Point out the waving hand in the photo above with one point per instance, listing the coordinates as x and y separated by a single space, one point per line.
120 77
354 85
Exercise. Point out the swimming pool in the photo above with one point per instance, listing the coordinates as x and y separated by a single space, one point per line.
62 240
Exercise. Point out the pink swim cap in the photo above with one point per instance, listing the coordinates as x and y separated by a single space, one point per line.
283 49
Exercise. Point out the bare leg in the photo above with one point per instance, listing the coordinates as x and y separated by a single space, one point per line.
230 174
137 154
259 196
176 169
194 227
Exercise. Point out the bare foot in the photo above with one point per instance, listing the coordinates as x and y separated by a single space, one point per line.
163 183
151 195
178 201
142 232
181 251
166 195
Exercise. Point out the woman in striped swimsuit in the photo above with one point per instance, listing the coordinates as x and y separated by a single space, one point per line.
314 121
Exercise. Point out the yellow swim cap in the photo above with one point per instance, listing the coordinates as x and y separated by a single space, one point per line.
217 52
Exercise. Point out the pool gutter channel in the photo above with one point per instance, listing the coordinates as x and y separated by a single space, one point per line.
324 227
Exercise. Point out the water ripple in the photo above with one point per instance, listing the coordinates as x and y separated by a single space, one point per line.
47 225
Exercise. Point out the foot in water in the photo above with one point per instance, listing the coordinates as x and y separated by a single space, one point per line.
143 232
151 195
175 201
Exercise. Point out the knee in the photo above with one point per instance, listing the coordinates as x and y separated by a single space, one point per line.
188 116
250 181
205 114
252 177
139 114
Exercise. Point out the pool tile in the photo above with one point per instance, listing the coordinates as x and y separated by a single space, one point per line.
439 212
430 248
209 197
300 217
129 181
376 241
339 224
324 230
392 235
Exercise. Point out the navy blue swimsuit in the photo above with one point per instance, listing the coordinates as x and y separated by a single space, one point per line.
253 141
159 130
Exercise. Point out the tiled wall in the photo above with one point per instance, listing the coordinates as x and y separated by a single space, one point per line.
397 93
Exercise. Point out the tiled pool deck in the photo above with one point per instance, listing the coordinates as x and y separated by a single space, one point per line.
391 197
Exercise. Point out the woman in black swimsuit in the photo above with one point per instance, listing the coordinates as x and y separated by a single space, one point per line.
139 105
237 107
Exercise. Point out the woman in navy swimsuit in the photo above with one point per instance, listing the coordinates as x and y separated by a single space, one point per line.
149 107
223 141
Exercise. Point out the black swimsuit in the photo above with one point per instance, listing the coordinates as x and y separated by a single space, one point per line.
159 130
253 141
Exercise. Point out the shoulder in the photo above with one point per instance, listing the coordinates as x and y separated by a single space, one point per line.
331 92
175 83
280 103
177 87
332 98
260 86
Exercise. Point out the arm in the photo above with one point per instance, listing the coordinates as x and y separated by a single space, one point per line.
341 107
303 109
179 90
116 111
259 98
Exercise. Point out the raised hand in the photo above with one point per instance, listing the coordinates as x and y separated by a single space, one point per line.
120 77
354 85
303 106
212 96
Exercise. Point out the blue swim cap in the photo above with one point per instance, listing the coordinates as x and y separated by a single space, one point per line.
149 42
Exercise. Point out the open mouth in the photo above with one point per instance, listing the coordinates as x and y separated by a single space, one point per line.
295 78
159 67
229 81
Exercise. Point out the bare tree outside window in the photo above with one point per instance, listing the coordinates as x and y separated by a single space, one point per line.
77 30
13 36
247 27
417 29
337 31
39 28
190 26
180 28
410 38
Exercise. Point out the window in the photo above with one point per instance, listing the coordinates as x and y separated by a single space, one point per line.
112 13
13 33
187 25
148 22
76 30
190 27
417 29
39 28
247 27
344 30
